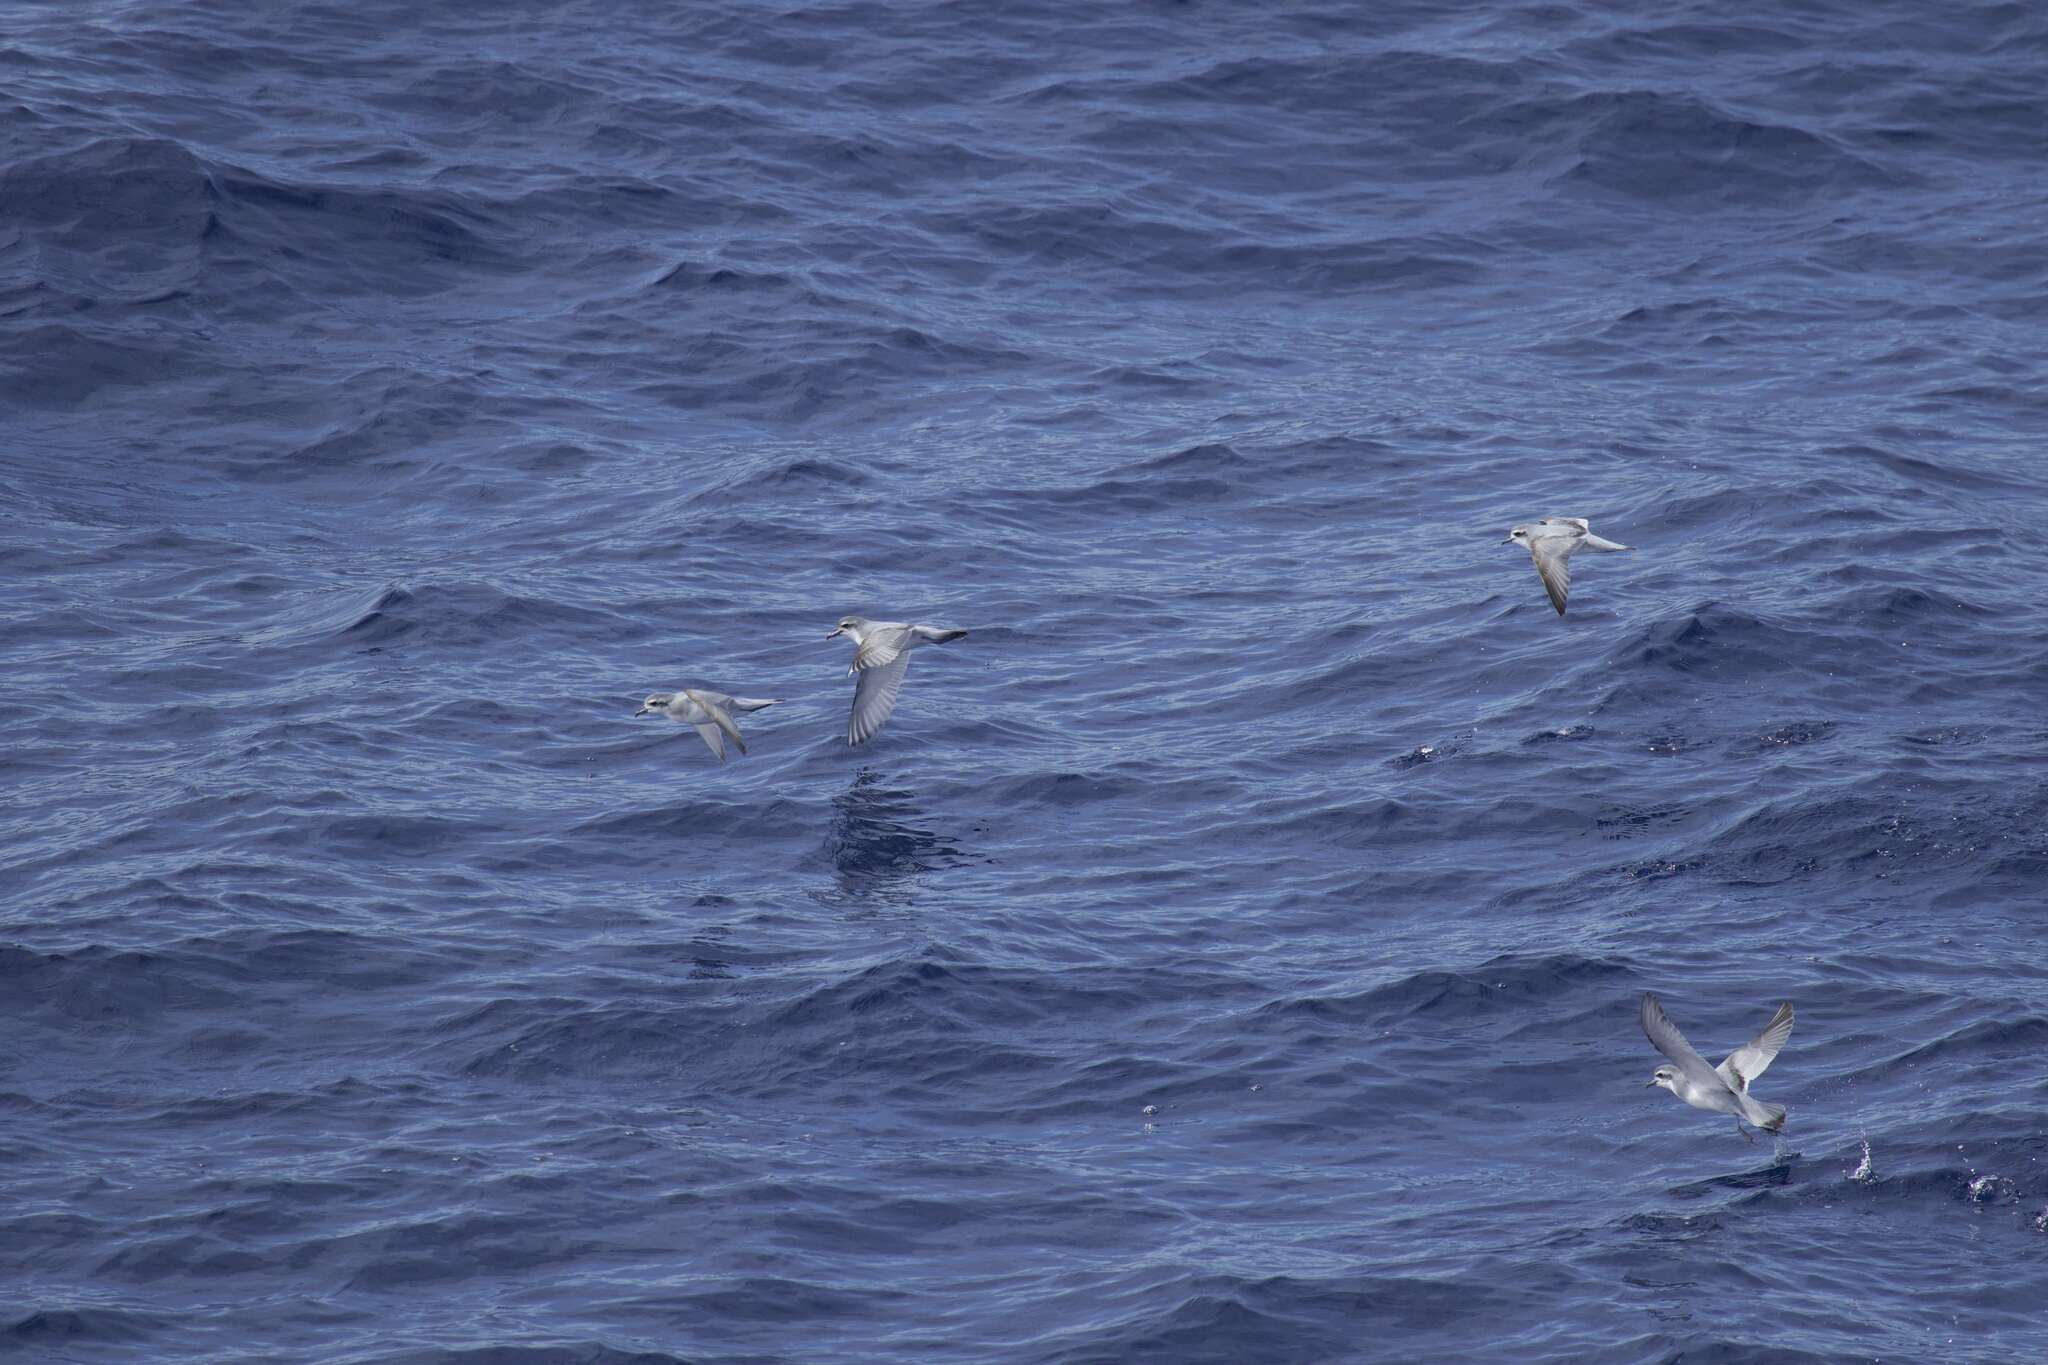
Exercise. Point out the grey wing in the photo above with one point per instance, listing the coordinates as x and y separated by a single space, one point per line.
879 648
1666 1038
709 733
1579 522
874 697
1553 566
1754 1057
709 702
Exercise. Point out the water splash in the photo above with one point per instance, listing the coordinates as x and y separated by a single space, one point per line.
1985 1188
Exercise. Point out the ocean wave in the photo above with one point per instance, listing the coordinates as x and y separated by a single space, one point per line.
1231 949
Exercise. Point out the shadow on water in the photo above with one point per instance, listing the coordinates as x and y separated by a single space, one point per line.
879 842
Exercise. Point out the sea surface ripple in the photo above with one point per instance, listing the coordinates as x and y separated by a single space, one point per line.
1230 951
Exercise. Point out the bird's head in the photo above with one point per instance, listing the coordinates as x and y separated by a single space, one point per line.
656 701
1518 536
850 625
1667 1077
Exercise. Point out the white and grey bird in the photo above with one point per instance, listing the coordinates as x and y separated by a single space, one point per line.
709 712
1724 1088
881 654
1550 542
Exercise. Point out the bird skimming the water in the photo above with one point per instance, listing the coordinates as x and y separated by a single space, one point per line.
880 656
709 712
1724 1088
1550 542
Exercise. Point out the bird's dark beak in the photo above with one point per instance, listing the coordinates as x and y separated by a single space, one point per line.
835 634
642 711
1509 541
1650 1084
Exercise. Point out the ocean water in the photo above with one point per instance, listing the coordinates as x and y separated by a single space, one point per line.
1230 950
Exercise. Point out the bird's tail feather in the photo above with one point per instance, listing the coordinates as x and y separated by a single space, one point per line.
752 703
1770 1117
1592 542
939 635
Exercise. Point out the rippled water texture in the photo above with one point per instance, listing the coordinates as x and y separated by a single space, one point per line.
1230 950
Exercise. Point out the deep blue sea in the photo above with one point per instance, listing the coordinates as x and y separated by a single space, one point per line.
1230 951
